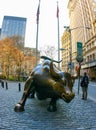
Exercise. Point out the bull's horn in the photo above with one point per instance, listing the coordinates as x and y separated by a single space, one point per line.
47 58
53 72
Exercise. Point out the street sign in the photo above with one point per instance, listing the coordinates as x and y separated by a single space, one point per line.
79 57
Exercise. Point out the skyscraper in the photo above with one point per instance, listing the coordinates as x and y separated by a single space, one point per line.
13 26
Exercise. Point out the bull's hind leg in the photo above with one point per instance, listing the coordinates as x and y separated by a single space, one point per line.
52 106
19 107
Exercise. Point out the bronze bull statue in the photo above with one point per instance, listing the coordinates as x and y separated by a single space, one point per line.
46 81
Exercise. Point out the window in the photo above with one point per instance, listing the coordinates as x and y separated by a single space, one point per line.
93 56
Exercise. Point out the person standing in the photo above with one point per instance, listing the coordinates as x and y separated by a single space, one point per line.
84 85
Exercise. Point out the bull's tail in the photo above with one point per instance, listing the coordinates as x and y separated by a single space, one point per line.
47 58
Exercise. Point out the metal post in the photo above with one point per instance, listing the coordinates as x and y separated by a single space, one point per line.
79 78
58 36
37 45
38 11
70 52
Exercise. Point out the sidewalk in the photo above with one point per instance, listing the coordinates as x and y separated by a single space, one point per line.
76 115
91 90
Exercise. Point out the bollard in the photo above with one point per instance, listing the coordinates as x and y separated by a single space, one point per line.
6 85
19 87
2 83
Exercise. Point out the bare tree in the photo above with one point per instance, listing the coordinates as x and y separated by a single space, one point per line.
49 51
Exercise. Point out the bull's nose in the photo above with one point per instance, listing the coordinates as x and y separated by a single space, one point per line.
68 92
67 97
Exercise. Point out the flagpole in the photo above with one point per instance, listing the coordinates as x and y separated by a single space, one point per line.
58 35
37 20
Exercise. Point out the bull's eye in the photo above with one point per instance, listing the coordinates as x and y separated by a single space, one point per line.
54 83
63 95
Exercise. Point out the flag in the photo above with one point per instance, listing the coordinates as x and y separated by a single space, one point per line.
57 11
38 12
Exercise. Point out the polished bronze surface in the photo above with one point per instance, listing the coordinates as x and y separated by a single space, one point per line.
47 81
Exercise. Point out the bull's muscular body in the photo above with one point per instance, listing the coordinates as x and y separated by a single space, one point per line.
47 82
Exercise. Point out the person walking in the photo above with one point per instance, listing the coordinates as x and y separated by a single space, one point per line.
84 85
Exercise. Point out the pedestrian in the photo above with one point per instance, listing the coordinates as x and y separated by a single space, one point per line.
84 85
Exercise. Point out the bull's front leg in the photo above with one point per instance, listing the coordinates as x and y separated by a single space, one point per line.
19 107
52 106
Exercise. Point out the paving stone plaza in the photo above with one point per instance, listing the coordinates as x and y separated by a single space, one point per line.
77 115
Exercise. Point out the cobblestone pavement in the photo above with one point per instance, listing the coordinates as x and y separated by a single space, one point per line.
76 115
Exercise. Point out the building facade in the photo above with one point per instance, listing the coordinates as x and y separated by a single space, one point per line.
82 15
65 50
14 26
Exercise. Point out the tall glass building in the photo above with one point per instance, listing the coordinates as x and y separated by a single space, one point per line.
13 26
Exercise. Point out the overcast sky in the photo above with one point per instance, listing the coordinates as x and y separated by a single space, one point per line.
48 33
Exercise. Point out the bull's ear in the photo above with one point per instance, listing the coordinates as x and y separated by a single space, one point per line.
53 73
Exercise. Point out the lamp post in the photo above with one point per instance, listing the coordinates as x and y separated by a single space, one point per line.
70 30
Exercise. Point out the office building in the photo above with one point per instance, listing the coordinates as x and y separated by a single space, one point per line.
14 26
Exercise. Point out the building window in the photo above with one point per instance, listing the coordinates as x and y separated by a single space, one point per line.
93 56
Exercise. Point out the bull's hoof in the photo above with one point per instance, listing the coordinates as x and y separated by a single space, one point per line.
19 108
31 96
51 108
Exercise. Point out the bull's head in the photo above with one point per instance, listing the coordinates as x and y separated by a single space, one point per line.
62 83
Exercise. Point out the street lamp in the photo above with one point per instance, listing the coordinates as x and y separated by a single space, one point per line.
70 51
70 29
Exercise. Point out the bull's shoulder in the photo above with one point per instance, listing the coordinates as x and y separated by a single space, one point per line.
41 69
36 69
